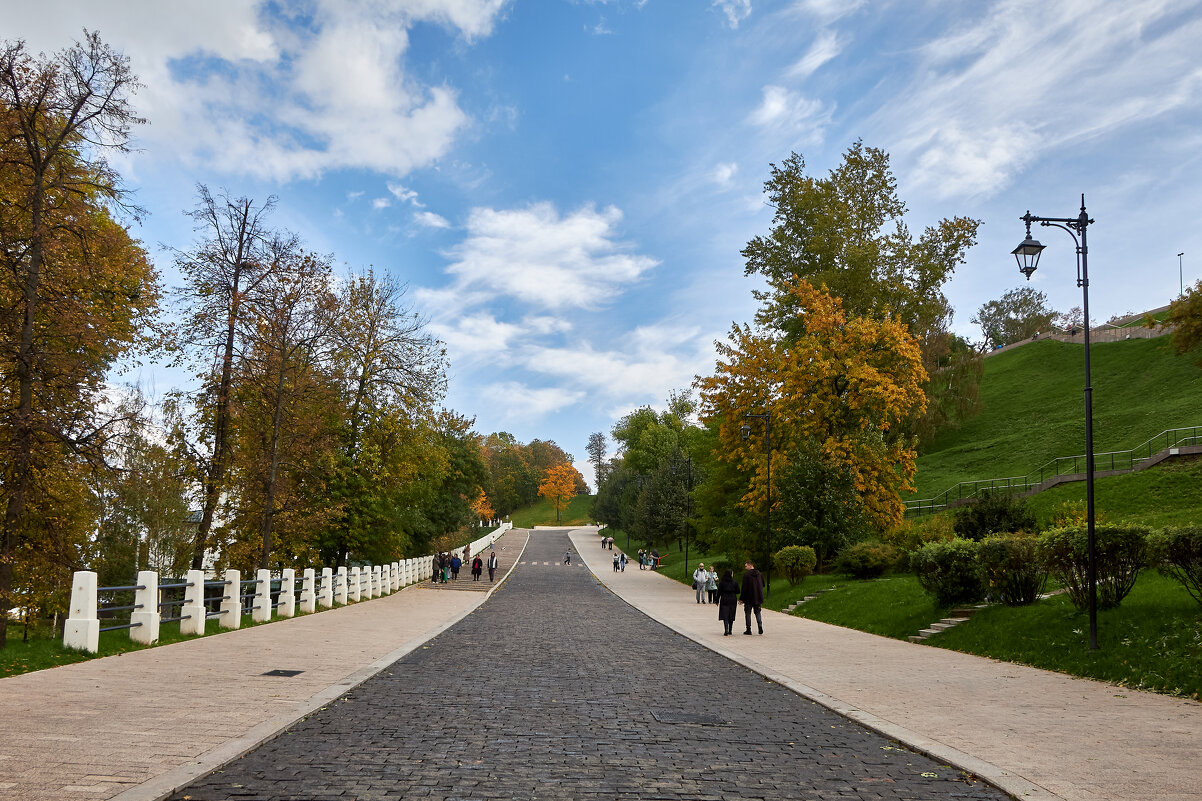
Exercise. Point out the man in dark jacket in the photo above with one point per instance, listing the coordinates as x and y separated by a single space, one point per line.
492 565
752 596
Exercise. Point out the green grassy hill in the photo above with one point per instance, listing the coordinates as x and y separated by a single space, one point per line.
543 513
1033 409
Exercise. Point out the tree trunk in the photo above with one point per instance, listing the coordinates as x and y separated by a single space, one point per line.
273 468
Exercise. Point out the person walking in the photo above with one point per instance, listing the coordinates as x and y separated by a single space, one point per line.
711 584
699 577
477 567
436 573
492 566
752 596
623 561
567 557
456 563
446 568
728 601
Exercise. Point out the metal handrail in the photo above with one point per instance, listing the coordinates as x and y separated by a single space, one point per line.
1172 437
121 589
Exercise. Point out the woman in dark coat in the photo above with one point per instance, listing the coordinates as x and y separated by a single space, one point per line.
477 568
728 600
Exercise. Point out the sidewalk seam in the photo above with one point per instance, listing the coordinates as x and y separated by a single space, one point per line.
163 785
1011 783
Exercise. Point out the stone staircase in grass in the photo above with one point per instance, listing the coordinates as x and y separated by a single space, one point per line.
958 616
788 610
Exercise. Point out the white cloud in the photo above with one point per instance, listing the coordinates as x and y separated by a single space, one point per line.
381 203
824 48
236 87
429 219
724 174
404 194
510 400
1030 78
828 10
735 10
475 336
783 109
352 196
538 257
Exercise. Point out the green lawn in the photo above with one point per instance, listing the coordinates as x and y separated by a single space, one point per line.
542 513
1032 409
1153 641
1169 494
893 606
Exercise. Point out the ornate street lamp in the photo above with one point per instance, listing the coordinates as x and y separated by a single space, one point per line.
746 431
1027 256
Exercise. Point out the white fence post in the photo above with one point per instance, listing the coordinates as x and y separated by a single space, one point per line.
261 612
342 588
353 590
193 610
325 598
287 603
148 615
308 598
231 605
82 631
373 581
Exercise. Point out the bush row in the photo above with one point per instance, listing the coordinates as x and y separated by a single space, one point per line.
1013 568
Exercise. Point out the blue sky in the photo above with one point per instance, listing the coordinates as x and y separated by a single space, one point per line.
566 185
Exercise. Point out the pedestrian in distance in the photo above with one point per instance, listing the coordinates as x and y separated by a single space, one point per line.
492 565
467 555
567 557
436 573
728 601
477 567
699 577
654 561
617 566
446 568
751 595
623 560
711 584
456 563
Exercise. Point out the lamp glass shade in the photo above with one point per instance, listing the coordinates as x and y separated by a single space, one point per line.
746 429
1027 256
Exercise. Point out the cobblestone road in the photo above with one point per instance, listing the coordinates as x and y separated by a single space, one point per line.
557 689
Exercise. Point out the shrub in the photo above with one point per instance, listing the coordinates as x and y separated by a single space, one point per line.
950 571
910 535
1121 554
1178 552
1011 568
993 513
866 560
1073 513
795 561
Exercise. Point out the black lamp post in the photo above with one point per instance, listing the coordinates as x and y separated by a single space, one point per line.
746 430
1027 256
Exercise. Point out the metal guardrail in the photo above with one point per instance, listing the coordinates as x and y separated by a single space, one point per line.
1110 461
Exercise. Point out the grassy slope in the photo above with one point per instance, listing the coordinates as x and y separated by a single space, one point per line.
542 513
1032 409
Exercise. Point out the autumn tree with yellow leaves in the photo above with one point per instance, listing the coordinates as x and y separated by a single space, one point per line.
560 486
847 384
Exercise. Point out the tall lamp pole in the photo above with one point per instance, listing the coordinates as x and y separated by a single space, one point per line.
746 430
1027 256
1180 275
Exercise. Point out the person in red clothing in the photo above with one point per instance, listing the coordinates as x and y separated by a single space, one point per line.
477 568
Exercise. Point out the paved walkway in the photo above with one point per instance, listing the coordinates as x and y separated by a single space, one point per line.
139 724
1036 733
508 548
557 689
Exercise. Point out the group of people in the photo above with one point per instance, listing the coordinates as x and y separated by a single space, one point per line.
607 543
648 560
728 594
447 565
619 563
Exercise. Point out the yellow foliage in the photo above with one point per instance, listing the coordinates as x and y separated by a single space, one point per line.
848 384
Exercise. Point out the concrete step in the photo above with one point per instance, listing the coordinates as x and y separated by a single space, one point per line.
929 632
916 638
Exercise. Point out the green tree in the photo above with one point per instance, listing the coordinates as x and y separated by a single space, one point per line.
1185 318
846 232
1019 314
819 505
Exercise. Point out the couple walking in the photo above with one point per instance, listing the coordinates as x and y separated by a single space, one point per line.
730 595
705 582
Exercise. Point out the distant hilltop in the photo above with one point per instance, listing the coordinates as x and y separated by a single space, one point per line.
1116 330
